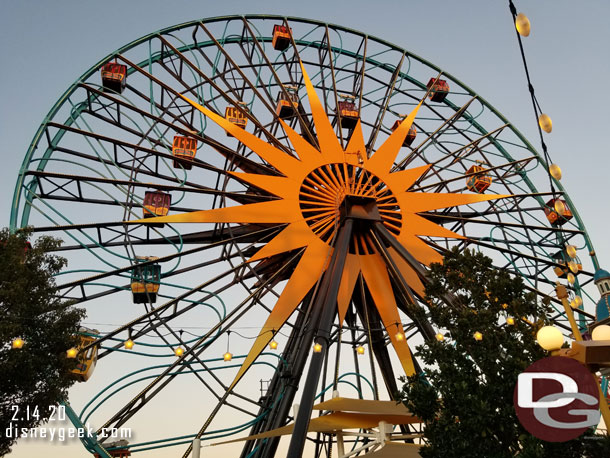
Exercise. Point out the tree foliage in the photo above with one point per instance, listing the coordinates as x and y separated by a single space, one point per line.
36 375
465 398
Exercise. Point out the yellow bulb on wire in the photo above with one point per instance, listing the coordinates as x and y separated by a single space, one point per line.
317 348
399 336
477 336
273 345
179 351
440 337
227 356
545 123
510 321
17 343
555 171
522 23
71 353
129 344
560 207
360 350
571 250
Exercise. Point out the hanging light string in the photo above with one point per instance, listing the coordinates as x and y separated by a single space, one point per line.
537 109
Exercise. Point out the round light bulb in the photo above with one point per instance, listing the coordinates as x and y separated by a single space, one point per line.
505 306
571 250
522 23
440 337
571 279
601 332
17 343
577 301
317 348
129 344
573 265
560 207
360 350
227 356
510 321
179 351
478 336
273 345
399 336
545 123
71 353
550 338
555 171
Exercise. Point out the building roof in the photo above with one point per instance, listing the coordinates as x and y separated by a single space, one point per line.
601 274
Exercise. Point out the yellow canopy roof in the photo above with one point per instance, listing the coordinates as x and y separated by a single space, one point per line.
334 422
396 450
340 404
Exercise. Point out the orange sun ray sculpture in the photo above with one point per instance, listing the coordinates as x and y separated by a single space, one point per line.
310 193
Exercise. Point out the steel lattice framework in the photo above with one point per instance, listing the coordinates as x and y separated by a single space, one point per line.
98 152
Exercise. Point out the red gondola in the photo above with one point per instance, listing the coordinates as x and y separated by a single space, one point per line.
156 203
439 89
349 114
184 149
114 77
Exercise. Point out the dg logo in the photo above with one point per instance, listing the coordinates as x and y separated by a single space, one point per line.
557 399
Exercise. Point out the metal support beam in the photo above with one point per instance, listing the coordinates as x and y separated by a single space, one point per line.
323 314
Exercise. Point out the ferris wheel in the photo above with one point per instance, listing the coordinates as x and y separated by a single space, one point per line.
247 200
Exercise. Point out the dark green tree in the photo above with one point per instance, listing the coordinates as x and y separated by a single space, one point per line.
36 376
465 398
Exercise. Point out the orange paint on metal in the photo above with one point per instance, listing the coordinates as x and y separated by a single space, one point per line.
378 281
306 274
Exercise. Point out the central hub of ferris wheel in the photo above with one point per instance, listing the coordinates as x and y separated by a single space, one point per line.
334 190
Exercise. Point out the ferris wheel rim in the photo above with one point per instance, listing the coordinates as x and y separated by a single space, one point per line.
15 208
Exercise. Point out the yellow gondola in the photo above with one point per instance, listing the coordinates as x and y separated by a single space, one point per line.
87 359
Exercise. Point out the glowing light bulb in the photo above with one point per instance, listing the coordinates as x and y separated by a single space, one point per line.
129 344
573 265
560 207
273 345
399 336
601 332
478 336
317 348
440 337
577 301
555 171
522 23
71 353
505 306
571 278
179 351
510 321
550 338
17 343
545 123
227 356
360 350
571 250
